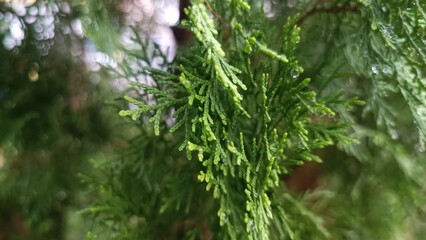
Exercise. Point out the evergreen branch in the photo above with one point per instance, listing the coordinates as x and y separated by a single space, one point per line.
407 78
204 29
209 116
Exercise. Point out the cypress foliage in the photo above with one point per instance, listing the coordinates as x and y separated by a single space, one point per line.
280 120
247 111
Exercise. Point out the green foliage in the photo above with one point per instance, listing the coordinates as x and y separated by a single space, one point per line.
211 145
50 126
399 52
247 112
248 123
386 167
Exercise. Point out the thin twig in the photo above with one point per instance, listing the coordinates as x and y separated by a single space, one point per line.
334 9
216 14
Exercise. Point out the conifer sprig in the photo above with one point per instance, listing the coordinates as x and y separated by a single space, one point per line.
395 28
242 158
203 26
